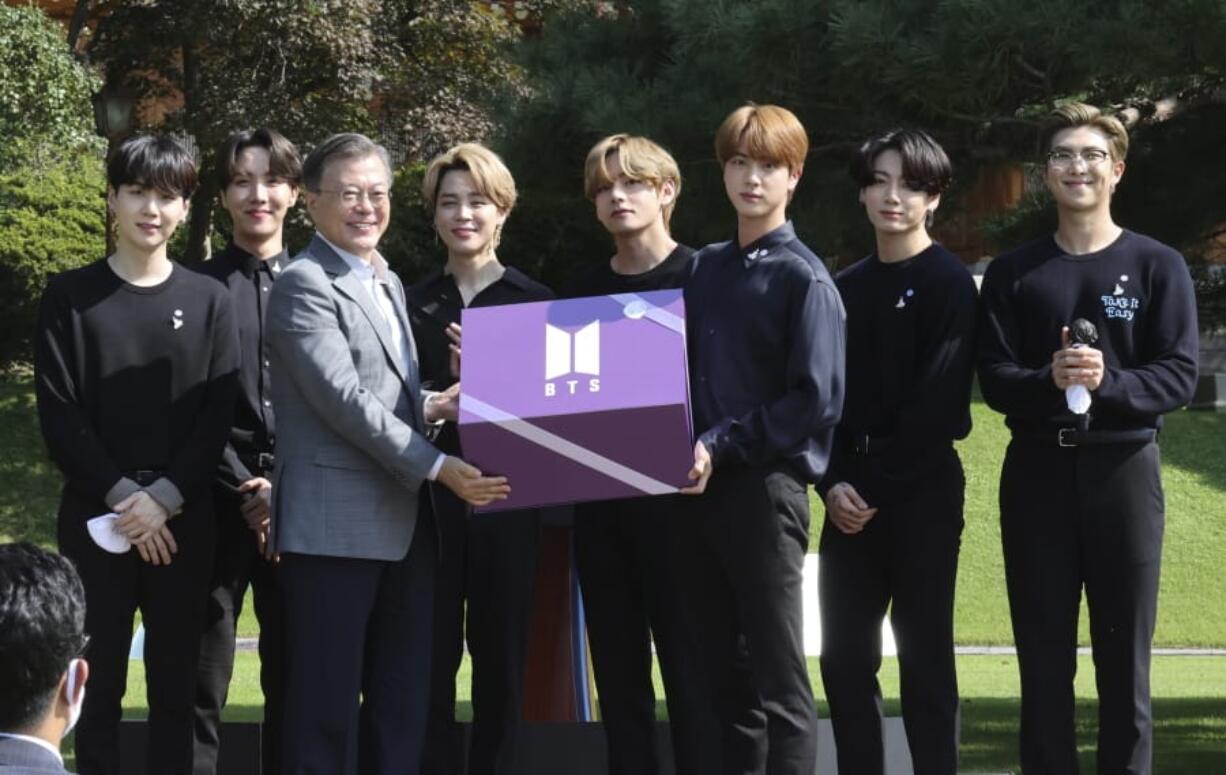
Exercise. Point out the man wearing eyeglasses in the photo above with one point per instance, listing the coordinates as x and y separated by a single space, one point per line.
1080 492
357 543
42 674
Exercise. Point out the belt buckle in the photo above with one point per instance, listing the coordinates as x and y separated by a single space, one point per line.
1060 437
265 460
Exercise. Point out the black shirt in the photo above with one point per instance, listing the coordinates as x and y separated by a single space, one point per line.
131 377
766 346
1139 295
434 303
602 280
910 364
249 282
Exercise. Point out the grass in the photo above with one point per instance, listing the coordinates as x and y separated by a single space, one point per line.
1189 692
1194 473
29 483
1189 708
1193 446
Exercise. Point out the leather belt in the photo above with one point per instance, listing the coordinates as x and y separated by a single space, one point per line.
144 476
264 461
1072 437
866 444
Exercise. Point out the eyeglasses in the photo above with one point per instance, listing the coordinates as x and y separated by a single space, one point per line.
351 196
1063 158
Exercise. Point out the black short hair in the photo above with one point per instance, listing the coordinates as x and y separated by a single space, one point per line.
152 161
283 159
347 145
42 628
925 165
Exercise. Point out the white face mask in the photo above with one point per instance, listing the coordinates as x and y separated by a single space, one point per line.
74 707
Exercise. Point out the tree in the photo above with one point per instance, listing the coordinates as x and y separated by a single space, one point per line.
412 72
51 183
52 218
976 73
44 92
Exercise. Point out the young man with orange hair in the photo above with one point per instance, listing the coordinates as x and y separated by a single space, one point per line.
766 339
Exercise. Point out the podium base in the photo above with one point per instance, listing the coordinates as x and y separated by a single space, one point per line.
545 748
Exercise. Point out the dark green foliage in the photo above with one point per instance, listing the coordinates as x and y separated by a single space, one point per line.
413 73
44 93
978 74
51 219
410 244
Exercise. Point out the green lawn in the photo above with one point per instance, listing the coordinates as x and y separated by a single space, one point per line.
1189 709
29 484
1193 446
1194 473
1190 692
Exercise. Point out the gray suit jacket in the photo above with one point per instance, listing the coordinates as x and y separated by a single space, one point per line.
21 757
350 452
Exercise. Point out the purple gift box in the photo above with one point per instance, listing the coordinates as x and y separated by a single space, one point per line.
578 399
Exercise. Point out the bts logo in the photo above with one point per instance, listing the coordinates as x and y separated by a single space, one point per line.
577 353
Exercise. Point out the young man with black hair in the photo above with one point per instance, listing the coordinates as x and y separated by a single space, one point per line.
259 172
135 374
766 346
894 488
1081 502
42 672
630 553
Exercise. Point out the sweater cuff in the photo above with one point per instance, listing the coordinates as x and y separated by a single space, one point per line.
120 490
167 495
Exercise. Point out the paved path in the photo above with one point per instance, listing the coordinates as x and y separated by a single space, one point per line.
249 644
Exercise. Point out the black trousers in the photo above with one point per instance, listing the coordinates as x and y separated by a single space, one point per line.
747 596
632 557
171 599
357 628
239 565
1088 516
488 560
905 560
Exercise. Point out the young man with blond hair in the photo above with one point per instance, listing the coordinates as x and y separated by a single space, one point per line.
766 339
630 553
484 585
1081 501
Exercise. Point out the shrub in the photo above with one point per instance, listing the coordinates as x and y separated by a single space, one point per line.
44 92
52 218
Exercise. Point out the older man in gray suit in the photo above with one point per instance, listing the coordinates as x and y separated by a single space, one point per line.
356 541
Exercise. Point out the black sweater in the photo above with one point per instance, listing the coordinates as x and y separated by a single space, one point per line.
766 347
910 364
1139 295
602 280
122 387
